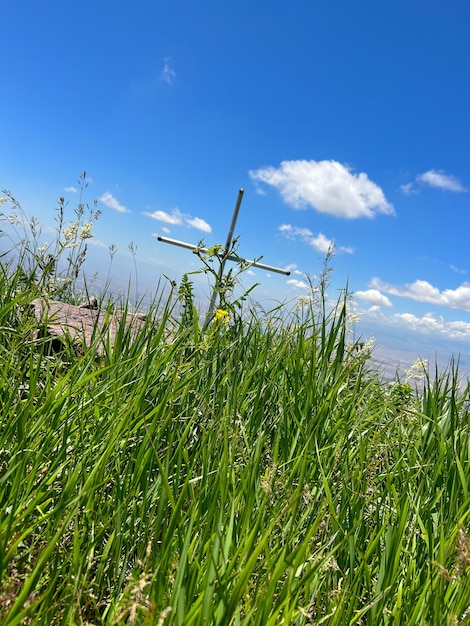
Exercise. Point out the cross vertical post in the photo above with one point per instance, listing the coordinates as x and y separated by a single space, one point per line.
225 256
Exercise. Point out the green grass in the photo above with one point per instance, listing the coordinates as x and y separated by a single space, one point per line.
257 472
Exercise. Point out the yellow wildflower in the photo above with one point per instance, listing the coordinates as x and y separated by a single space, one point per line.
222 315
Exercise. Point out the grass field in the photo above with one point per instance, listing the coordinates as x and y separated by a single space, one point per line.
256 471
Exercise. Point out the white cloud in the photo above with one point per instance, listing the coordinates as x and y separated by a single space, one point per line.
437 178
408 189
327 186
434 324
293 268
71 189
434 178
199 224
428 324
168 73
297 284
320 242
423 291
176 218
97 243
110 201
374 297
293 232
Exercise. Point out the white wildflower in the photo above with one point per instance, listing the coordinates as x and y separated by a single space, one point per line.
364 348
86 231
417 371
302 302
369 344
353 318
71 231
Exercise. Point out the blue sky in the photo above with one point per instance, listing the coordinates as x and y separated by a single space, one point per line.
344 122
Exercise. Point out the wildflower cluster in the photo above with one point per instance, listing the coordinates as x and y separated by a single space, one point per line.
303 302
51 268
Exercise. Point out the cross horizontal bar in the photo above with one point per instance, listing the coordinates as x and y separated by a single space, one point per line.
231 257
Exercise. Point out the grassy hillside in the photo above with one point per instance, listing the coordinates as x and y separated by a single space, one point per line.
252 471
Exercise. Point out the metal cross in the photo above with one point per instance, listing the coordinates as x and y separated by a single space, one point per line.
224 256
